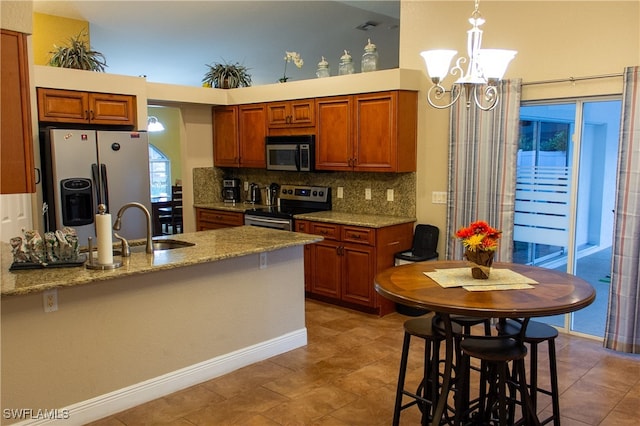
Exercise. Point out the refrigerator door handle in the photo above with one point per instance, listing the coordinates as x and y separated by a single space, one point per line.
105 186
94 177
102 192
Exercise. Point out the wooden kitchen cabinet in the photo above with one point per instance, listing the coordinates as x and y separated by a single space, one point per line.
16 137
215 219
297 113
70 106
373 132
341 268
238 136
334 133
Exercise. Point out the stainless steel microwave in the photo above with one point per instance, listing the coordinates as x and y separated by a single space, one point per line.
291 153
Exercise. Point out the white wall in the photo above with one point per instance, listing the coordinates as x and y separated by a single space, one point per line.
554 40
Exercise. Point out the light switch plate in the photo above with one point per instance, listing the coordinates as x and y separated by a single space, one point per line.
367 193
389 194
340 192
439 197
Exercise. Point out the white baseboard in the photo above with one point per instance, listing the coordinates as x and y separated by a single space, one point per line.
140 393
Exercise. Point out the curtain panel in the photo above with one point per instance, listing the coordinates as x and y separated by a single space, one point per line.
622 331
482 168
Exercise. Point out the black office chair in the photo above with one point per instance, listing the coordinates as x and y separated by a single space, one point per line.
425 243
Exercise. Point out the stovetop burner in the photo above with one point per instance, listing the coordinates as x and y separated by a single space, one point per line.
296 199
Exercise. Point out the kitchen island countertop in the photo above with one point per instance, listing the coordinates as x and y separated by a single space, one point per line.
210 246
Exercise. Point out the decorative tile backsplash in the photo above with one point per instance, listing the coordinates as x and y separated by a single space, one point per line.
207 188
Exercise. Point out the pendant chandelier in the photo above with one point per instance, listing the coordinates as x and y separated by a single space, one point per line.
485 69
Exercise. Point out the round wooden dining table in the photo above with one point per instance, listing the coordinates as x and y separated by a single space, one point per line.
553 293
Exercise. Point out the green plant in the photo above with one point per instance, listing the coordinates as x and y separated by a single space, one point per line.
227 76
77 55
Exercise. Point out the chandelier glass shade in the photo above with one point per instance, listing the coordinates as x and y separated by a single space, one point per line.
154 125
485 69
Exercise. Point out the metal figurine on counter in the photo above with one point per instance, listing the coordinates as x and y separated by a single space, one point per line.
59 248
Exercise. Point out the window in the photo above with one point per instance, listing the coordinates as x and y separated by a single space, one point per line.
159 173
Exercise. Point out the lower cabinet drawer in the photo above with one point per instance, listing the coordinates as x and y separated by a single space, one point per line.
212 219
327 230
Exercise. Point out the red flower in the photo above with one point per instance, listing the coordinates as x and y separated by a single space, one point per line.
479 236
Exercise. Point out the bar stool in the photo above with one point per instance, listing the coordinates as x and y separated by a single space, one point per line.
426 395
495 353
463 403
536 333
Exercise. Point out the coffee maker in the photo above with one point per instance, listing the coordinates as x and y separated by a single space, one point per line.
231 190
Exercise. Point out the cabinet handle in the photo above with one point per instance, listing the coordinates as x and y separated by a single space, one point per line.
86 114
355 236
324 232
38 174
92 115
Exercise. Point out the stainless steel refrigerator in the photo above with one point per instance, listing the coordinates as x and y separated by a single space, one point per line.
74 185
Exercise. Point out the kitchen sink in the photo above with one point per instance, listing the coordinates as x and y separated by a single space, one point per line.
159 245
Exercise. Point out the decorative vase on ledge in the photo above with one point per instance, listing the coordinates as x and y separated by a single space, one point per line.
481 262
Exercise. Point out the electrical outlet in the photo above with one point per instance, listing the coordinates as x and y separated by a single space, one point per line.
389 194
367 193
263 260
246 185
50 300
340 192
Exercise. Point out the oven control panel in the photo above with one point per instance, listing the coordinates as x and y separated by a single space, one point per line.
316 194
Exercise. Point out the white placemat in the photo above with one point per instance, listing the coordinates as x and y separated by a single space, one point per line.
499 279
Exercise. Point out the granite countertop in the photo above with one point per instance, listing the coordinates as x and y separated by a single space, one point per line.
239 207
331 216
210 246
366 220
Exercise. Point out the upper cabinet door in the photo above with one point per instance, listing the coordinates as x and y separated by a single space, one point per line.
253 130
375 132
71 106
299 113
106 108
385 132
334 147
16 141
63 106
225 137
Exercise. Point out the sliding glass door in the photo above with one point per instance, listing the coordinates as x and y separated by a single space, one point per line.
565 195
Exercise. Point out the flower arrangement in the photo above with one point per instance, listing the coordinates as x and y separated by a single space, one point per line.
479 236
480 241
291 57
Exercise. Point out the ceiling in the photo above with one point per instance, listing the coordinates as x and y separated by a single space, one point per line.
171 41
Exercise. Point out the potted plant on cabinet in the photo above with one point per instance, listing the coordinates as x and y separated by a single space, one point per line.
226 76
77 55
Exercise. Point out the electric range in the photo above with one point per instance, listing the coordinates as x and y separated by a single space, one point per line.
293 200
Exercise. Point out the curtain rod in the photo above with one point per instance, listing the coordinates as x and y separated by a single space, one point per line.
572 79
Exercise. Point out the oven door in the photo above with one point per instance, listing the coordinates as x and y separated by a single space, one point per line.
268 222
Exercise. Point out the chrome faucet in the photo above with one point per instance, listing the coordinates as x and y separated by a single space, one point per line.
118 223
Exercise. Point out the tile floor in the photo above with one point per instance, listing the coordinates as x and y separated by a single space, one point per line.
347 373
